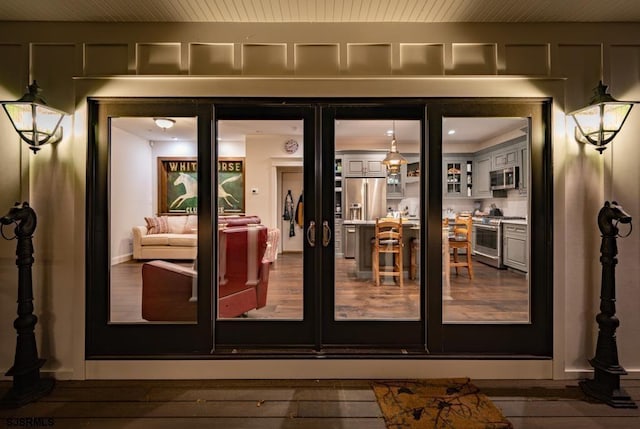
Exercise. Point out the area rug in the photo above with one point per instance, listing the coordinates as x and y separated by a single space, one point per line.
453 403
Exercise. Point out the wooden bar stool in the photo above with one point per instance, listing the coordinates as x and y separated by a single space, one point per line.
387 240
461 239
414 253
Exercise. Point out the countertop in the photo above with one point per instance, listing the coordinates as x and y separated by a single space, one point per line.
405 221
515 221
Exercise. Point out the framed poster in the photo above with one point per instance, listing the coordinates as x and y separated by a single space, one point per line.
177 185
230 185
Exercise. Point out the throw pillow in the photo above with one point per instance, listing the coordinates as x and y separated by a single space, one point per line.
157 224
191 226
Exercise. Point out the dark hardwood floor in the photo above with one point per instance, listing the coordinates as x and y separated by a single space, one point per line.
293 404
491 296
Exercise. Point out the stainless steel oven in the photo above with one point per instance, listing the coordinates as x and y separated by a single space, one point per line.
487 243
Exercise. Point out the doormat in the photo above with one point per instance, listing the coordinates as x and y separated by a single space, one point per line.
453 403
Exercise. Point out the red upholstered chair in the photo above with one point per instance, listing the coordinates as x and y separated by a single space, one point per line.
229 221
168 289
243 276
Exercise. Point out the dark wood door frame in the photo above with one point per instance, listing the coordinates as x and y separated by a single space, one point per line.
318 333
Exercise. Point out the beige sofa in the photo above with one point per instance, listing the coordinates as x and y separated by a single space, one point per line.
178 239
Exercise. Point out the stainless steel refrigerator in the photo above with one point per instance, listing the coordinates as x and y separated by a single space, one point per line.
368 193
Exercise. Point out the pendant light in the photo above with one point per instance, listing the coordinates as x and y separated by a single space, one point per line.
393 160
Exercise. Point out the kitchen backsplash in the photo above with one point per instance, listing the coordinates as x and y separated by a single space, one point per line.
510 206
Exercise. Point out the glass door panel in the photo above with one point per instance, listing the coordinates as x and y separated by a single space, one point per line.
496 247
266 262
153 204
357 310
485 230
147 225
369 193
260 208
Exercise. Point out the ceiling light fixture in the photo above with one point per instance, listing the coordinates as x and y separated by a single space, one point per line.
602 119
164 123
393 160
451 132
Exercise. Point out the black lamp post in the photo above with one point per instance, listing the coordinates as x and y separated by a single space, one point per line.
27 384
598 124
607 369
37 124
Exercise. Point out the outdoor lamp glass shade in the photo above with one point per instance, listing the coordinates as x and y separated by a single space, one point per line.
601 120
393 160
35 122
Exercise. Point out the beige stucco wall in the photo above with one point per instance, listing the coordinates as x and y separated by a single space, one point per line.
562 61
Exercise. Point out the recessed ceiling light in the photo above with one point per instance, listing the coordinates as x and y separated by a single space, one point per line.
389 133
451 132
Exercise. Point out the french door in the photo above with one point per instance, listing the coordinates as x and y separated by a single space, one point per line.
248 226
319 298
359 311
141 290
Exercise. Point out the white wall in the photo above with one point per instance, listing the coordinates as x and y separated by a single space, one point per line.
264 153
131 190
561 61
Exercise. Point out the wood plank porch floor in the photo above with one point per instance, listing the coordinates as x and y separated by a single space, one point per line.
293 404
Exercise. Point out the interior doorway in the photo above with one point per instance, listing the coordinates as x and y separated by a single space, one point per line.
291 206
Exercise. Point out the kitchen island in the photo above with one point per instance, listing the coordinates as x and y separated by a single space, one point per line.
365 232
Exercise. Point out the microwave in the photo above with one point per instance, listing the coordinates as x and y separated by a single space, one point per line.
506 178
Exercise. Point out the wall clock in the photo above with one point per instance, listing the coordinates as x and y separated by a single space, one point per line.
290 146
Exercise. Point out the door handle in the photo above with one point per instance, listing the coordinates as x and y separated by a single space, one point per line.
326 234
311 234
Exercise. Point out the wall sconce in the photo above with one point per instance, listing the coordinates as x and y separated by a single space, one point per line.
35 122
164 123
393 160
602 119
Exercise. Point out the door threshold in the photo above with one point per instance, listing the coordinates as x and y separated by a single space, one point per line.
325 352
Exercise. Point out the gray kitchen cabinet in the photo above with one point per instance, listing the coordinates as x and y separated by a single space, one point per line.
395 184
457 177
503 158
337 238
523 181
515 251
481 176
409 173
363 165
349 241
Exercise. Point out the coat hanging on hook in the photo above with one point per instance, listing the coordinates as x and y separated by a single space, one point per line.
300 211
287 212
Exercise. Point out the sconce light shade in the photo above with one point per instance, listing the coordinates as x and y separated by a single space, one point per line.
602 119
35 122
164 123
